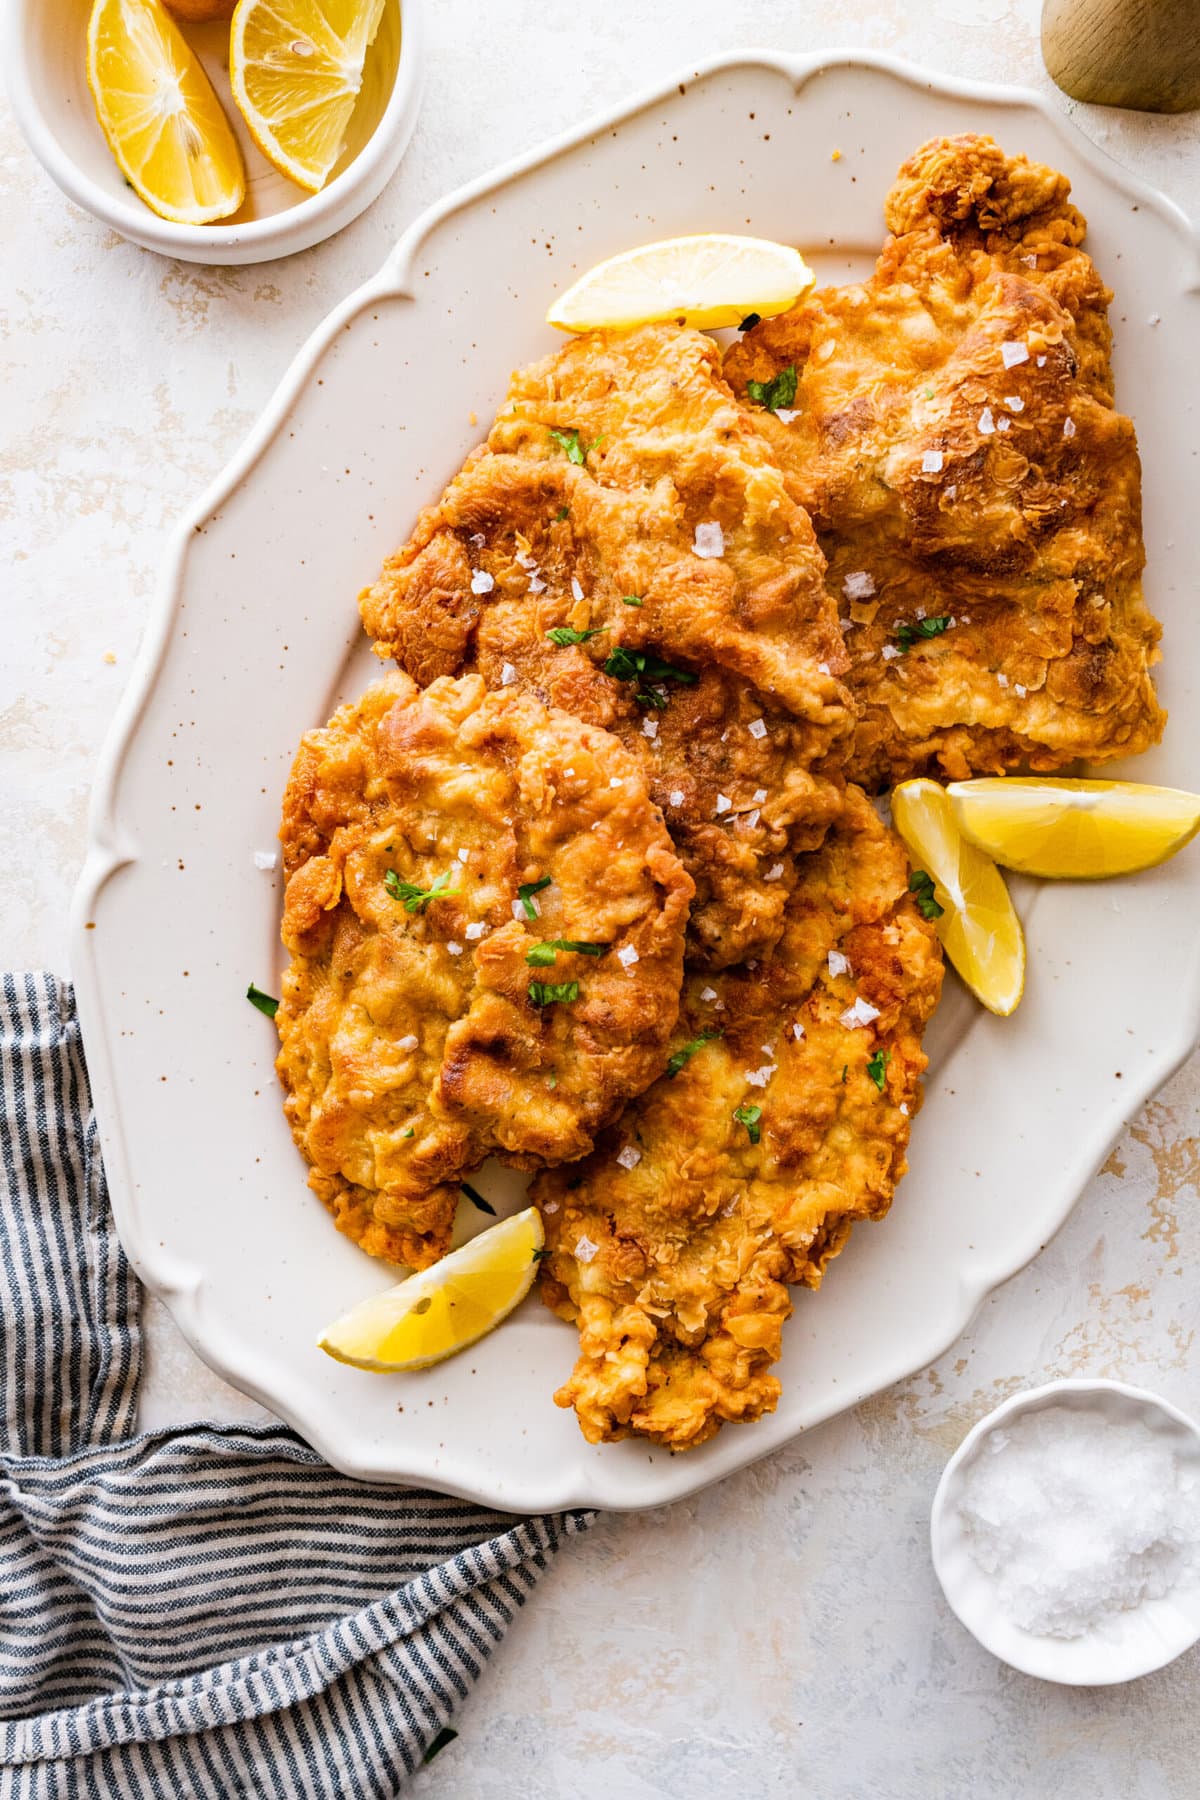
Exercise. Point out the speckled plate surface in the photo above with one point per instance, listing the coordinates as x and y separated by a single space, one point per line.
256 637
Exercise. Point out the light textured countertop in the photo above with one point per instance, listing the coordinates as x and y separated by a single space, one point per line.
782 1634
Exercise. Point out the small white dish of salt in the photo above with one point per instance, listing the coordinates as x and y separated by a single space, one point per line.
1066 1532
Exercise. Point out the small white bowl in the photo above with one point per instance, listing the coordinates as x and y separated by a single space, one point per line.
45 58
1131 1643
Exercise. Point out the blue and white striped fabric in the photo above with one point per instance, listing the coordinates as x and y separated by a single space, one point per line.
209 1611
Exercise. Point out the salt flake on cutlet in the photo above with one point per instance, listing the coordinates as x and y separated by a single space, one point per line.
482 582
709 539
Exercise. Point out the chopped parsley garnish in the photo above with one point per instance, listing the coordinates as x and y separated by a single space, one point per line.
877 1068
564 512
445 1736
779 391
415 898
920 885
411 1132
545 993
540 956
562 635
540 1255
572 445
685 1055
749 1117
845 1072
928 393
476 1198
525 894
644 668
908 635
632 600
264 1002
750 321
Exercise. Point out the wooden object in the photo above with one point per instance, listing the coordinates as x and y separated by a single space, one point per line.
1139 53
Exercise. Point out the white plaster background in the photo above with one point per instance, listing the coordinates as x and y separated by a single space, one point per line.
782 1634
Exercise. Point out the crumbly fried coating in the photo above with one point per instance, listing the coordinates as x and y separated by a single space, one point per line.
673 1244
413 1043
955 440
623 499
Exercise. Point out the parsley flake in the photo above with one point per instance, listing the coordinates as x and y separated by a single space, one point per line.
545 993
264 1002
562 635
779 391
877 1068
750 321
685 1055
541 1255
908 635
920 885
540 956
525 894
845 1072
411 1132
572 445
632 600
644 668
749 1116
564 512
476 1198
414 898
445 1736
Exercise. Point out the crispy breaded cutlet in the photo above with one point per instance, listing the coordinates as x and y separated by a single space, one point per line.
485 917
786 1120
975 491
625 547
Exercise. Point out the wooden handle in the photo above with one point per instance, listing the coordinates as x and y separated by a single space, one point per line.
1139 53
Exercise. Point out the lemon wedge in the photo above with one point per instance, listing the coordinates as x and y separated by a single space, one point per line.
978 924
709 280
296 67
443 1309
158 111
1074 830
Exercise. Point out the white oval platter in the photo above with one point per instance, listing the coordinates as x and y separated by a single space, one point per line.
255 637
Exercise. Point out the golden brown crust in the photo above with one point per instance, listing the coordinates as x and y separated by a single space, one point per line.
660 448
410 1045
947 483
676 1269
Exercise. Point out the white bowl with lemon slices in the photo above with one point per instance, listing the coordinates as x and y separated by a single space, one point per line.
265 212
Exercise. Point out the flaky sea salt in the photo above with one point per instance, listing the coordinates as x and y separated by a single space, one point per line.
627 956
585 1249
709 540
507 675
774 873
676 797
757 728
931 462
1079 1515
629 1158
266 859
1068 428
482 582
453 948
650 728
838 964
407 1043
858 585
1012 354
576 589
861 1013
987 423
475 931
723 804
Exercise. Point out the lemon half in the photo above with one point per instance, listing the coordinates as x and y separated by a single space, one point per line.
443 1309
709 280
296 67
979 927
1074 830
163 122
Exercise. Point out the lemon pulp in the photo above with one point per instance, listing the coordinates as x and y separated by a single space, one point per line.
708 280
296 67
978 926
1073 829
443 1309
157 109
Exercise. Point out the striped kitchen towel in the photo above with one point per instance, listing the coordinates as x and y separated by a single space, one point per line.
209 1611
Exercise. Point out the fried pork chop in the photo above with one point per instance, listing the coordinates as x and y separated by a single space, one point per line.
485 917
787 1119
624 547
975 492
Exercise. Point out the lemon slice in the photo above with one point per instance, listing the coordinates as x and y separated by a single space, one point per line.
709 280
158 111
1075 830
296 67
978 926
445 1308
